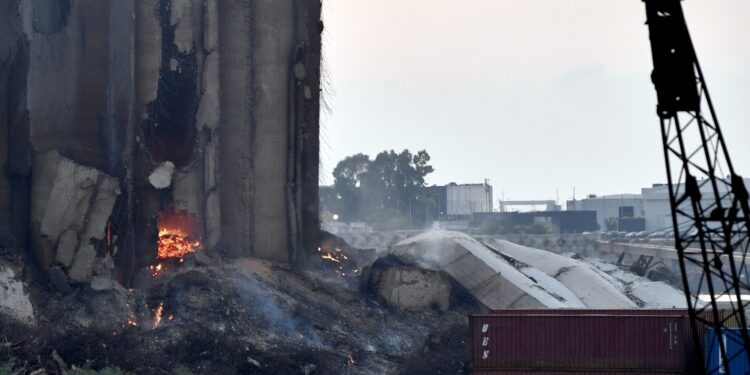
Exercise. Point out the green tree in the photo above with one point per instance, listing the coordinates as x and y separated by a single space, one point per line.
390 181
347 179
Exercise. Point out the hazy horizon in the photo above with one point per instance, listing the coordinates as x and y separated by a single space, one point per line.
535 96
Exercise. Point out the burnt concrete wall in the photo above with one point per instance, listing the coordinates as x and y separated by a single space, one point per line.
9 32
14 125
227 91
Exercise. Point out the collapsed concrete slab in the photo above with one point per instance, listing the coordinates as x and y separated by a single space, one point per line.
490 279
15 304
406 287
580 278
646 293
71 206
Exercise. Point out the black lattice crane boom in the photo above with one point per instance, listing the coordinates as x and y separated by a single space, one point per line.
709 201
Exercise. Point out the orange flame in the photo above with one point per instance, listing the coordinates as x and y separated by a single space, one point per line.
157 314
330 257
156 270
177 234
335 255
174 243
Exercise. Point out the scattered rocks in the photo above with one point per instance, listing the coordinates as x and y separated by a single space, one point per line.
100 283
66 247
253 362
309 368
103 266
203 259
300 72
161 177
59 280
83 264
15 304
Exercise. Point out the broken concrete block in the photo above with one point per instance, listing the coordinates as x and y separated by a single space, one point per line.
67 196
59 280
208 106
299 71
83 264
410 288
213 219
69 200
211 28
44 173
81 199
108 262
211 162
14 300
186 190
182 18
66 247
161 177
101 207
103 266
100 283
148 34
202 259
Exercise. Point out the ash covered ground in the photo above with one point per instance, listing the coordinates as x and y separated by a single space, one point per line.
237 317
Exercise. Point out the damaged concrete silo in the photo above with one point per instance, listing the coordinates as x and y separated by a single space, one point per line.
98 95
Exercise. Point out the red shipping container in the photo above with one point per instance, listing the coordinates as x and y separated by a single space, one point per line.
510 372
632 341
681 312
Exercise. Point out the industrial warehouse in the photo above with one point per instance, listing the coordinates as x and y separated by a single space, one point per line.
373 187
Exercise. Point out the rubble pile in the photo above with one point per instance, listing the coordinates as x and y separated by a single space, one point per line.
243 316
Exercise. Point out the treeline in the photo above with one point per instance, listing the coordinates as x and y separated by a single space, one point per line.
387 191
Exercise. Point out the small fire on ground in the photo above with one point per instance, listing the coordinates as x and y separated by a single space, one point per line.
175 243
177 234
337 258
178 237
157 315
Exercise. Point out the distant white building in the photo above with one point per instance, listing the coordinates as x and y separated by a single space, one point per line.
609 206
466 199
652 204
658 212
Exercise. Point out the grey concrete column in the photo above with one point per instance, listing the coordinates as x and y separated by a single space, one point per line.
237 127
274 41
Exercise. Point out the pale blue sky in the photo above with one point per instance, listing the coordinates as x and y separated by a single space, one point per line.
534 94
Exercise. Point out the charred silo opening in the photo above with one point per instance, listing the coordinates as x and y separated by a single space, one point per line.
170 131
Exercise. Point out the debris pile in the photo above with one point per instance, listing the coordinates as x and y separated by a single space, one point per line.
244 316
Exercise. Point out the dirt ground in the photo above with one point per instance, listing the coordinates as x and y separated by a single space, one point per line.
239 317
